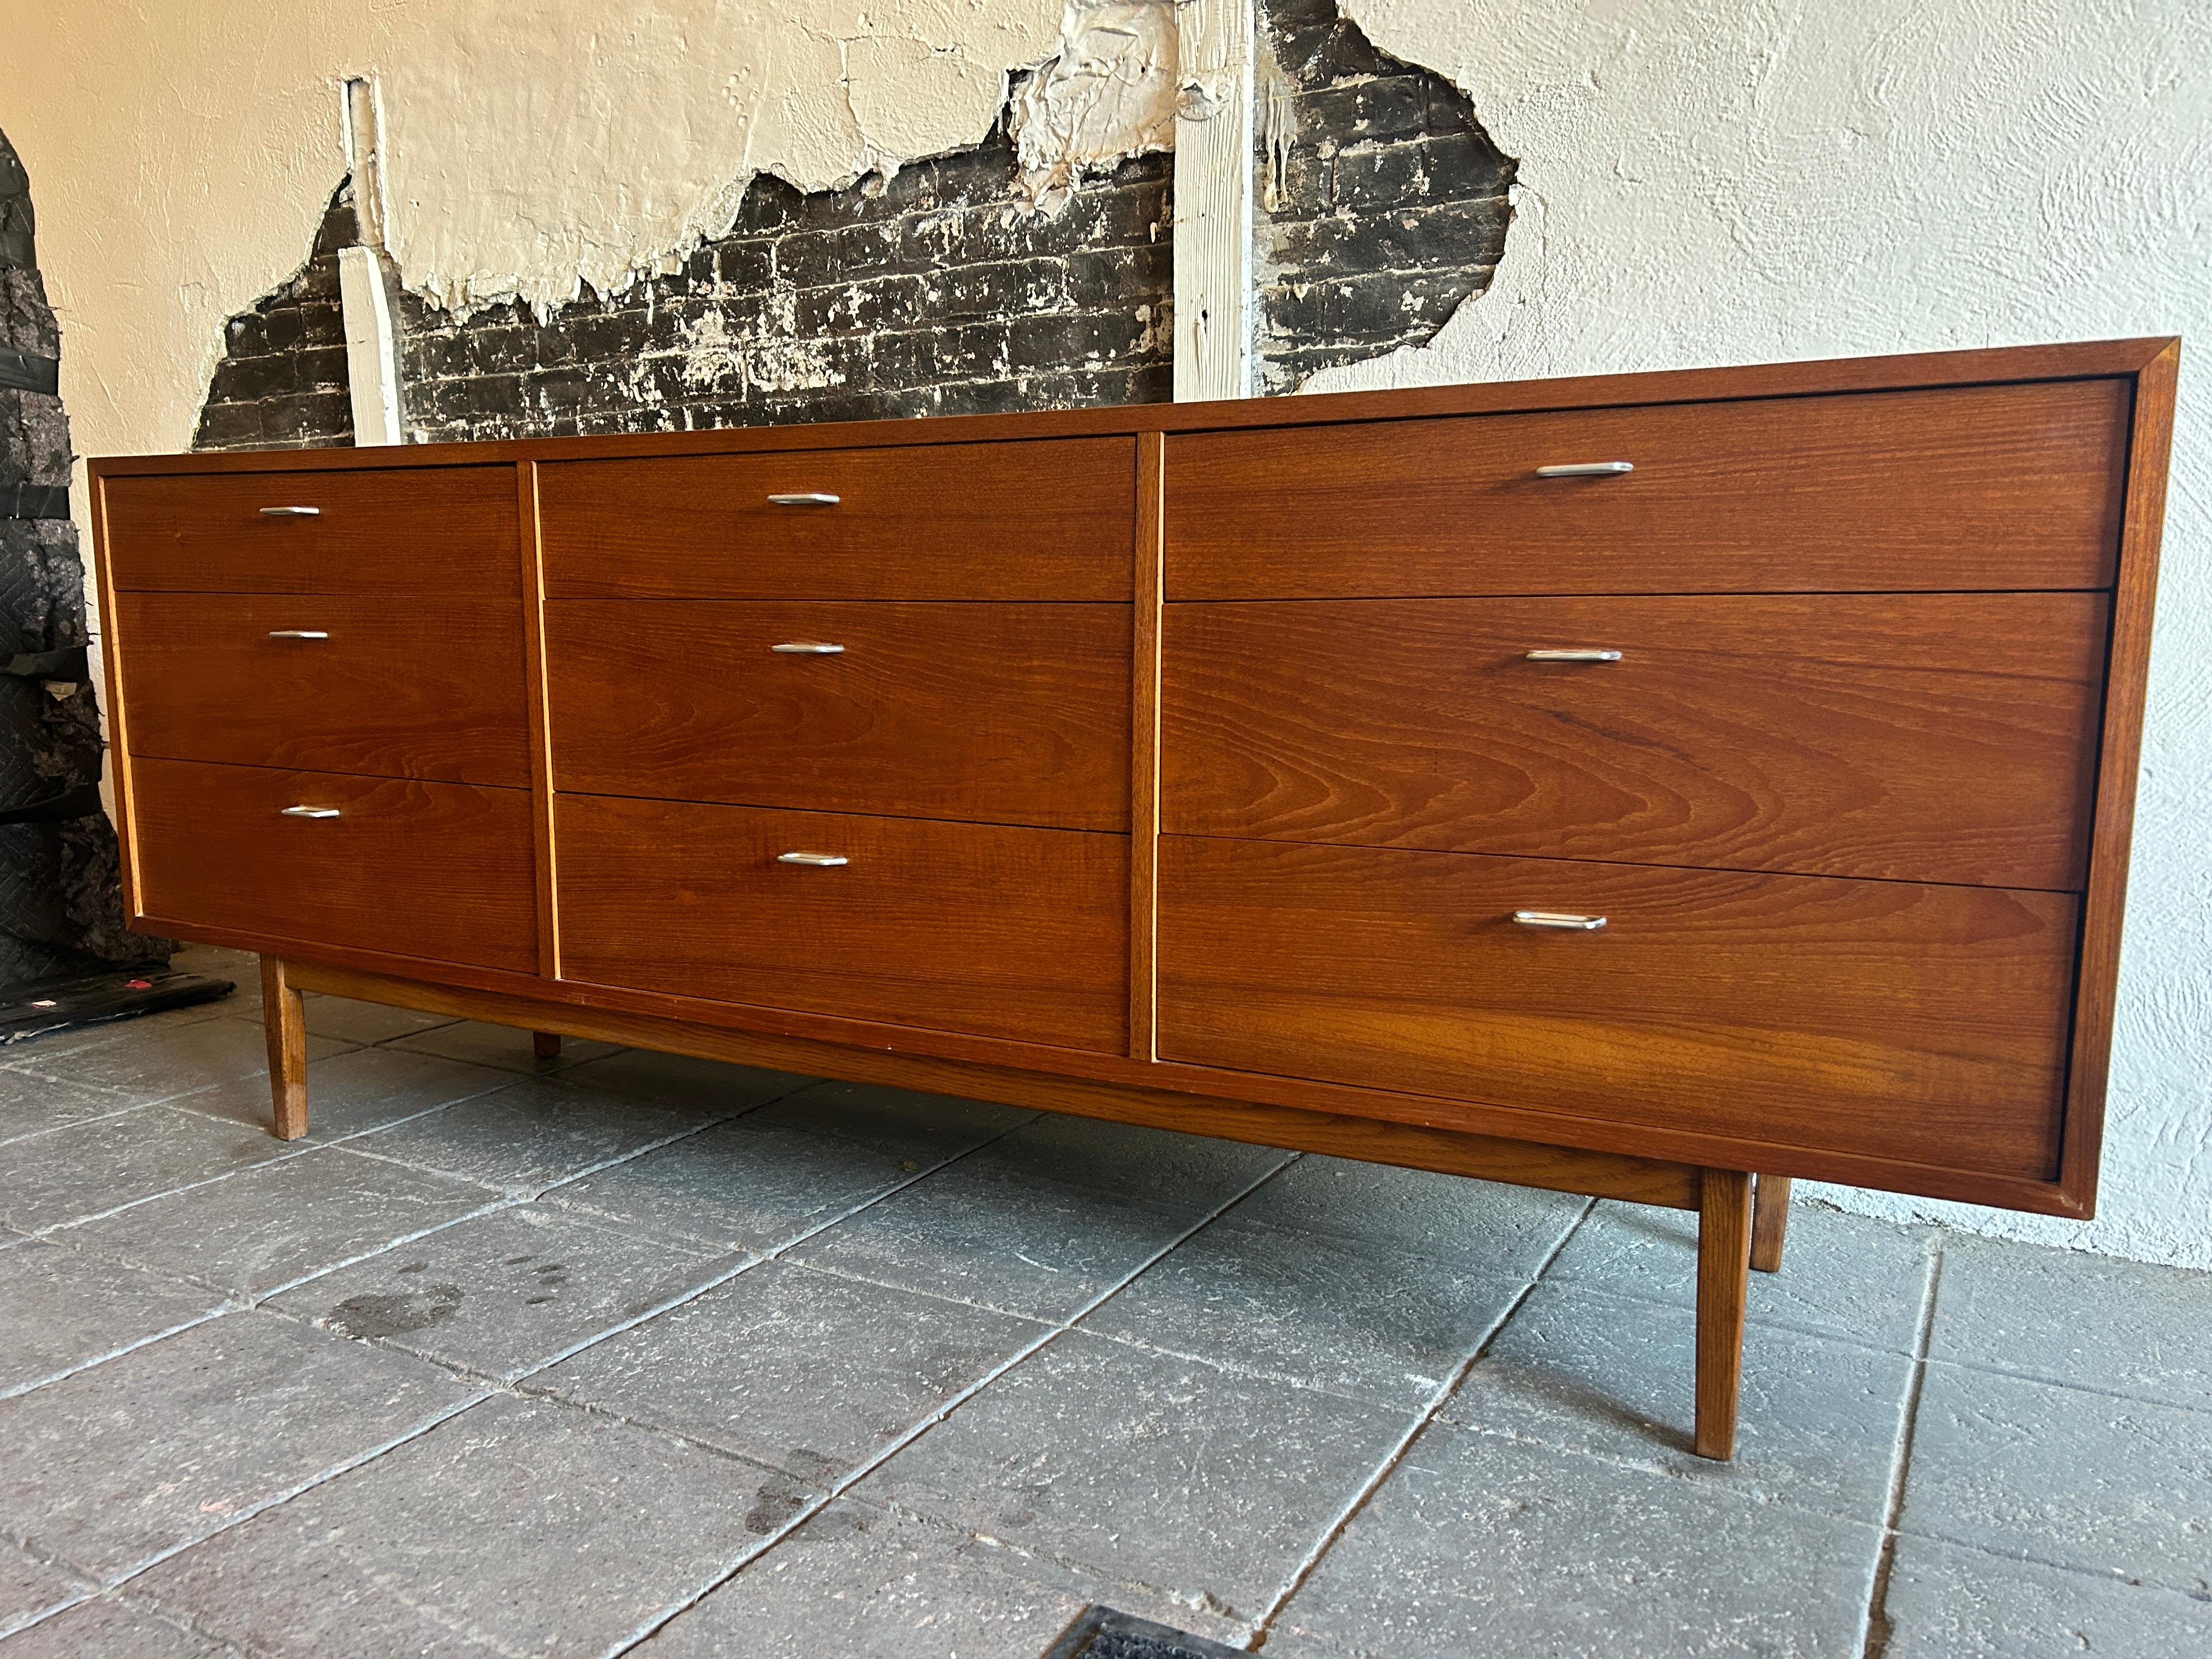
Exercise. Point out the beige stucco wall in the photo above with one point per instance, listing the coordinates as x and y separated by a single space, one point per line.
1700 182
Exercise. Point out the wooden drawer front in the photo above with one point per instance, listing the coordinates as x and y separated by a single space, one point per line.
428 688
1046 519
2000 487
1938 737
443 530
1008 714
995 932
438 870
1925 1023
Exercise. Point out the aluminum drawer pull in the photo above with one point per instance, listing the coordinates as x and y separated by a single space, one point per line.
819 860
1587 470
307 813
1578 654
291 511
806 648
1559 919
297 633
804 498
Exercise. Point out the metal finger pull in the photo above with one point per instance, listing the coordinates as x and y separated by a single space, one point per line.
804 498
807 648
297 633
819 860
291 511
1580 654
307 813
1559 919
1587 470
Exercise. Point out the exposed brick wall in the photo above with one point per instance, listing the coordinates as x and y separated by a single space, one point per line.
282 382
61 904
1381 203
930 296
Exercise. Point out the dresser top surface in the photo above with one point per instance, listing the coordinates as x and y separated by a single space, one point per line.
1915 371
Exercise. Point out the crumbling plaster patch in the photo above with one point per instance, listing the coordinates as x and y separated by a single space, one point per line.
1790 178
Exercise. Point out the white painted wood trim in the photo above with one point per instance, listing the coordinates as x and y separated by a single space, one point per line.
1213 199
371 362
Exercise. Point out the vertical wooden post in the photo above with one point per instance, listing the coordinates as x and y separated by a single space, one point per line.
1213 199
1770 1223
546 1045
284 1020
1723 1289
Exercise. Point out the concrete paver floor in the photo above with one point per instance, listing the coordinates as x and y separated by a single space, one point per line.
628 1353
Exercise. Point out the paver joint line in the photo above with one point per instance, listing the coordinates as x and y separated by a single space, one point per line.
1257 1631
1878 1626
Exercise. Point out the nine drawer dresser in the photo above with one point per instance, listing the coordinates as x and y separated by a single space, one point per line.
1637 785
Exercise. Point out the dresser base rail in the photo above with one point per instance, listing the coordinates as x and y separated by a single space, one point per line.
1722 1198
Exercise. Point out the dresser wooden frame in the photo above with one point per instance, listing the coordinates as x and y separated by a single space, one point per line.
160 540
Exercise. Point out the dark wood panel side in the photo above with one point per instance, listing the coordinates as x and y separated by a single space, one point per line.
534 695
1564 1168
1043 520
441 871
1015 933
446 531
424 688
2012 487
1938 737
117 709
1001 713
1881 1018
2149 451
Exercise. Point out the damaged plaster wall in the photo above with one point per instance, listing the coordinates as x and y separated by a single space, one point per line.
1786 178
532 146
1381 204
936 292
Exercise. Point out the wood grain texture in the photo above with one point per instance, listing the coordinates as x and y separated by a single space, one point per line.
2128 681
284 1022
1723 1298
1770 1223
1935 738
2003 365
430 688
448 531
996 714
1040 520
1144 760
2015 487
432 870
1922 1023
1016 934
1531 1163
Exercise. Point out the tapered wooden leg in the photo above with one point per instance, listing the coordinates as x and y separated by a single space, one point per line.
1770 1223
546 1045
1724 1287
284 1019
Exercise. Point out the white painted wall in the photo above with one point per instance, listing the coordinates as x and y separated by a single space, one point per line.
1703 181
1729 181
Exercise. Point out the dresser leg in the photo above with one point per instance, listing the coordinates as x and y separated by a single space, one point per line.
1723 1288
1770 1223
284 1019
546 1045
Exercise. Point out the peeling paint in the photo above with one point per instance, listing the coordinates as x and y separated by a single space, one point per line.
1106 94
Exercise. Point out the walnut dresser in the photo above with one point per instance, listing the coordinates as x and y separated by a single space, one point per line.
1634 785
